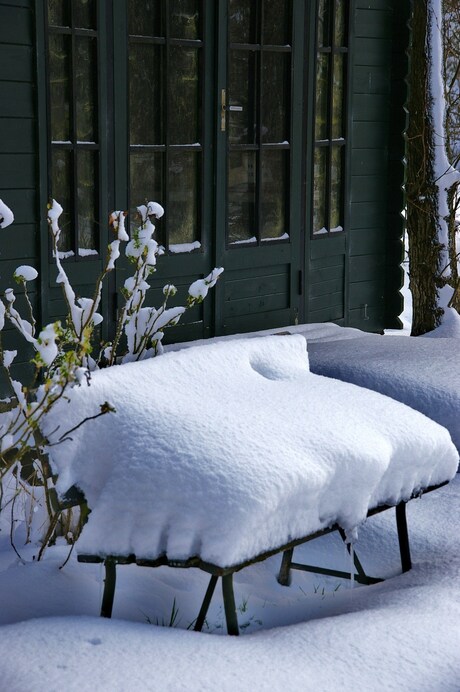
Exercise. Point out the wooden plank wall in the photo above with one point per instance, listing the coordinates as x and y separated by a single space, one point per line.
355 280
376 198
18 155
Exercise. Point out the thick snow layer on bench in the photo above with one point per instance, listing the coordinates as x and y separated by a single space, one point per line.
423 373
229 450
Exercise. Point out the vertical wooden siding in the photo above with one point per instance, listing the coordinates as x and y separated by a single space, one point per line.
18 154
355 279
377 149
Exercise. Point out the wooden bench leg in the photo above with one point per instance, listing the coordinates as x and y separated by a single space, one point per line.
229 604
284 575
205 605
109 587
403 537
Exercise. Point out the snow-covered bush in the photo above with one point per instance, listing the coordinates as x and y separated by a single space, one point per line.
63 354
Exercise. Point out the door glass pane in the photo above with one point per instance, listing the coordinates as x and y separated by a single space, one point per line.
276 23
60 70
86 195
320 223
62 185
59 12
183 197
242 21
183 90
273 198
337 97
324 23
85 88
146 64
322 92
336 189
340 36
146 184
184 19
84 14
275 90
145 18
242 95
241 196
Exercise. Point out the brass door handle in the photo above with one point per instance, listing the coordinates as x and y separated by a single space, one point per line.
224 108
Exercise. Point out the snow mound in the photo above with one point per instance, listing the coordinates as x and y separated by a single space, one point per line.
449 327
229 450
422 373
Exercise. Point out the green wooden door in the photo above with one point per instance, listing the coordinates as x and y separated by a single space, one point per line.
213 137
258 163
198 106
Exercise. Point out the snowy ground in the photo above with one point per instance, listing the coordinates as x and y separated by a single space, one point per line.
318 634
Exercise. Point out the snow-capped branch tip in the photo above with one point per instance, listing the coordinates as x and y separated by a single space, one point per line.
54 212
6 215
25 273
169 290
198 290
150 209
117 224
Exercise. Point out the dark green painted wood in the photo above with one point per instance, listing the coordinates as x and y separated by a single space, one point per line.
18 3
373 323
18 135
368 135
245 288
335 244
250 306
327 273
266 278
371 108
23 203
257 321
371 80
374 4
371 292
368 161
369 188
367 241
373 23
15 25
327 288
17 171
16 63
18 242
366 267
331 313
372 51
365 214
17 100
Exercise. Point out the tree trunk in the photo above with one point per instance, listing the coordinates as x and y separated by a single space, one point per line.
421 191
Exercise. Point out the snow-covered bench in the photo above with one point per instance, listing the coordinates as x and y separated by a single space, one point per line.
423 373
221 455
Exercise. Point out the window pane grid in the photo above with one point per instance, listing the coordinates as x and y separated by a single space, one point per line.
330 137
258 130
170 136
74 140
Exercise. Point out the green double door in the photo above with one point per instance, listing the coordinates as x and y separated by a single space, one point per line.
215 118
215 125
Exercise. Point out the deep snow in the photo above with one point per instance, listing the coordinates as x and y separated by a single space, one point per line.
402 634
318 634
232 449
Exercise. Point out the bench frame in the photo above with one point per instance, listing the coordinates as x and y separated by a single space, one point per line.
226 573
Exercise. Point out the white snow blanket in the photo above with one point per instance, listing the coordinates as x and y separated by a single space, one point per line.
423 373
229 450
